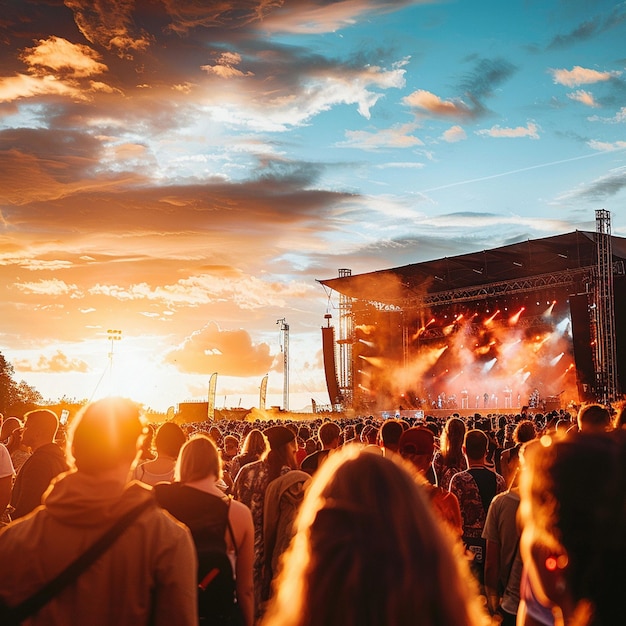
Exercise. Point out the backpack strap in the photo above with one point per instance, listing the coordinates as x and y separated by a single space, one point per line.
230 528
40 598
486 482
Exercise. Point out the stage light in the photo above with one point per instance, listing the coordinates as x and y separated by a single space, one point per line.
488 366
557 358
514 319
563 325
490 319
369 344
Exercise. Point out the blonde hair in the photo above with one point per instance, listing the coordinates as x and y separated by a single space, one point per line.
198 459
368 550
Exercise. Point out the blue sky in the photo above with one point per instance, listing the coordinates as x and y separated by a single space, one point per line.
185 173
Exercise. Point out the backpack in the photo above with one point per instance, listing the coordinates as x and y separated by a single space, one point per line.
217 593
206 516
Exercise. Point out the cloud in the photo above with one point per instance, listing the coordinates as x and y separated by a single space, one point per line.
486 75
224 285
110 24
225 66
396 137
55 364
591 28
59 56
600 189
584 97
427 101
230 353
317 17
581 76
606 146
23 86
530 131
454 134
618 118
51 287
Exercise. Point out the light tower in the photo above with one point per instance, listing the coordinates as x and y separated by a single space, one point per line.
284 346
112 336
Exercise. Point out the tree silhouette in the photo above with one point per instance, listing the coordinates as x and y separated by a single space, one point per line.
15 397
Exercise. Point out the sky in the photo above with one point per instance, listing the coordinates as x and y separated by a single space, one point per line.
185 172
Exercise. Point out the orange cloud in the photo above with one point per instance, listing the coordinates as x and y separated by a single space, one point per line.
581 76
427 101
54 364
230 353
59 55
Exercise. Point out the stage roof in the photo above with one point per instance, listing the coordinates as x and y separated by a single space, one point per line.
560 253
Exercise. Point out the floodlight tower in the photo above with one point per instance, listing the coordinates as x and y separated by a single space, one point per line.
284 346
112 336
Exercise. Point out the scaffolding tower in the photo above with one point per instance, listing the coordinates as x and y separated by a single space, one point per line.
344 342
284 335
603 320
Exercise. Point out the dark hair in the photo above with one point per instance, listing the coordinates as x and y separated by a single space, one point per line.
451 442
574 491
44 421
328 432
169 438
594 416
476 444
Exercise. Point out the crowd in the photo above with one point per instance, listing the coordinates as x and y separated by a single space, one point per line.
513 519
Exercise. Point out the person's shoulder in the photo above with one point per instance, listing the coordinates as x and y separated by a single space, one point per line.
154 515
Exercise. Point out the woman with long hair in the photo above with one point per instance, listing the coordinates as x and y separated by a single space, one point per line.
250 487
222 530
368 551
254 447
449 459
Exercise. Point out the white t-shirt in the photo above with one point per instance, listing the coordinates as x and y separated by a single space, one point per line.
6 466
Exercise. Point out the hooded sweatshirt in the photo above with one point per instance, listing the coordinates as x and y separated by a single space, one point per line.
148 576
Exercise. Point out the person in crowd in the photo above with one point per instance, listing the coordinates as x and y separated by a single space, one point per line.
254 447
369 437
7 474
573 514
503 562
369 551
227 454
619 419
283 498
475 488
304 433
12 429
230 451
328 435
9 424
594 418
417 446
147 576
524 432
45 463
168 441
449 459
222 530
390 433
251 484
